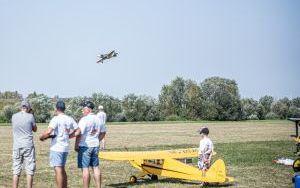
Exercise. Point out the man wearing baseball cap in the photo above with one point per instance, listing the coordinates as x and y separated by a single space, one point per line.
23 124
59 129
89 135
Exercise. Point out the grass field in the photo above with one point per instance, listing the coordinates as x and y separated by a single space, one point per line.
246 147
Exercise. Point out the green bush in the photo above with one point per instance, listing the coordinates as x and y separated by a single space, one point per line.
174 118
294 112
120 117
272 115
3 119
253 117
8 112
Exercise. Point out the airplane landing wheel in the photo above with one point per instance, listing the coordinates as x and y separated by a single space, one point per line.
132 179
296 165
154 177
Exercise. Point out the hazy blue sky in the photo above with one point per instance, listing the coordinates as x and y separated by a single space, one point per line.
51 46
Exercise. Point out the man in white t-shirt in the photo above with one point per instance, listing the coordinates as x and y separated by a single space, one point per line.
88 138
102 116
206 148
59 129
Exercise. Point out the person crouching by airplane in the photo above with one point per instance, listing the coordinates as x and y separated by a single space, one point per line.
102 116
23 125
88 138
59 129
206 148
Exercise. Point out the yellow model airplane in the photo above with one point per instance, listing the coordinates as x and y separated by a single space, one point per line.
164 163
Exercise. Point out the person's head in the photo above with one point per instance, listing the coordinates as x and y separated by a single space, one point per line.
25 106
87 107
204 131
100 108
60 106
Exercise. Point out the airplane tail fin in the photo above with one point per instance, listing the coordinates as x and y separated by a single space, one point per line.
218 172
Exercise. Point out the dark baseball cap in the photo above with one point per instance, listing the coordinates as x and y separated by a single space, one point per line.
203 130
25 104
60 105
88 104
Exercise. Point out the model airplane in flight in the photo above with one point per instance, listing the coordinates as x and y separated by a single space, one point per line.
165 163
103 57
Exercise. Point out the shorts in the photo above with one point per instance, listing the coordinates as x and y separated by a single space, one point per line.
203 165
24 154
57 158
88 157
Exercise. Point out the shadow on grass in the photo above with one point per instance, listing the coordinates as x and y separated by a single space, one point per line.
182 183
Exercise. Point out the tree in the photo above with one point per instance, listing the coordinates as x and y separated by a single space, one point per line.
3 118
249 108
10 95
261 112
8 111
140 108
286 101
280 108
166 106
296 102
42 106
192 100
171 98
222 96
294 112
112 106
73 107
266 101
181 99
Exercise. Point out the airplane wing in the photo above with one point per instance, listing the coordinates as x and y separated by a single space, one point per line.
136 155
110 54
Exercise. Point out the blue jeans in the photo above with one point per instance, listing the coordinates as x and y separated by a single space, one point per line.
88 157
58 158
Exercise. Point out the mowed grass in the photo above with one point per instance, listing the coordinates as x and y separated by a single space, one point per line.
246 147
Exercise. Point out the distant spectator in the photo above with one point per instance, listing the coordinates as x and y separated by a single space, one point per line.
102 116
23 124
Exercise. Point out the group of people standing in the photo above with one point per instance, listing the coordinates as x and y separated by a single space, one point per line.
89 132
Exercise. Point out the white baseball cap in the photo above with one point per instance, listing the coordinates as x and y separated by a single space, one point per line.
100 107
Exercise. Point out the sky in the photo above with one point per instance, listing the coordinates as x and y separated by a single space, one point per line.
51 46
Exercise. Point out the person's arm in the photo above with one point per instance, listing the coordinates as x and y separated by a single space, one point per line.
77 141
46 134
34 128
75 130
101 136
80 130
75 133
209 151
200 149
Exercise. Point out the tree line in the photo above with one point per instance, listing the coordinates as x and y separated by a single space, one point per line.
213 99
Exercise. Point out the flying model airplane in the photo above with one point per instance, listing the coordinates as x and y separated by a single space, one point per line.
164 163
103 57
